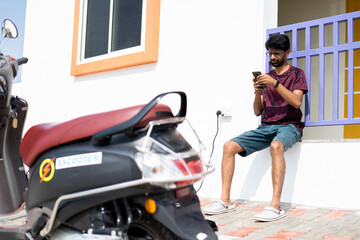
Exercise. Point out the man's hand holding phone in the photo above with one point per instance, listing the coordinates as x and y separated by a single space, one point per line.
258 87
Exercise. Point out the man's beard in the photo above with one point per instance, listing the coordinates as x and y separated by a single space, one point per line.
277 63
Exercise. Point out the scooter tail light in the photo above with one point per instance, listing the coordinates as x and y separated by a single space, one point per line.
185 165
180 165
193 164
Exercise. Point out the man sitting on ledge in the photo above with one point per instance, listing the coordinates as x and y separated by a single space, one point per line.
278 97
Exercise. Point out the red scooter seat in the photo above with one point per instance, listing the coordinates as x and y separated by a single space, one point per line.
42 137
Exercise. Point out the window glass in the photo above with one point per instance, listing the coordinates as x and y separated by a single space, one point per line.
126 29
125 24
97 28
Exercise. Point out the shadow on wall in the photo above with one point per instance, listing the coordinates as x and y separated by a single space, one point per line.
261 164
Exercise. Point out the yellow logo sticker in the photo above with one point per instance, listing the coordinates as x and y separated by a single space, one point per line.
47 170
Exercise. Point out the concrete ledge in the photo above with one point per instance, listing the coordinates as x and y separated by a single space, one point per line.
322 174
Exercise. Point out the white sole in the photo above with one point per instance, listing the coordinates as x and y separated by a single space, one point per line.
216 213
269 219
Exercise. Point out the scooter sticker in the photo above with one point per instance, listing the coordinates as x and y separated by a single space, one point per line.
79 160
47 170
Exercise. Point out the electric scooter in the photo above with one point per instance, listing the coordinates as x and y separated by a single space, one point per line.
123 174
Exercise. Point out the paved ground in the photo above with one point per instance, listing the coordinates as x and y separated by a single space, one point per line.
300 222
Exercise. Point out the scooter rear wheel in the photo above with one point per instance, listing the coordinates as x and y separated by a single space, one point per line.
147 228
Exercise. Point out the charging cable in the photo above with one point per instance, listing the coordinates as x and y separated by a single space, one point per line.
218 113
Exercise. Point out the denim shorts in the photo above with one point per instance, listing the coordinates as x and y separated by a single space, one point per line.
261 138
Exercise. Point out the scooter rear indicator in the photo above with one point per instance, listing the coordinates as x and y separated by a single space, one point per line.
150 206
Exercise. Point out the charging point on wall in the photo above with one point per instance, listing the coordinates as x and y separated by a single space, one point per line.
224 112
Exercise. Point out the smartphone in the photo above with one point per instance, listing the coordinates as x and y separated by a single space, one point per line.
256 74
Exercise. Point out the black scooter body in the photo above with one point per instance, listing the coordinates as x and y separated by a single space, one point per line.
117 166
181 215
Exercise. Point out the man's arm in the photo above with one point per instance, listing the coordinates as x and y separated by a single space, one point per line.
293 98
258 104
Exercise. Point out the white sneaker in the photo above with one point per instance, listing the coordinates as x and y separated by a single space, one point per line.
218 207
269 214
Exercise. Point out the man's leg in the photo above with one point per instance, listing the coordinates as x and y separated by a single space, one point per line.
231 148
278 172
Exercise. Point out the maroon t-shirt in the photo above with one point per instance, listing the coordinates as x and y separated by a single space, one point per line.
276 110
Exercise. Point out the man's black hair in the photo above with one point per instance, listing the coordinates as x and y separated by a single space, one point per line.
278 41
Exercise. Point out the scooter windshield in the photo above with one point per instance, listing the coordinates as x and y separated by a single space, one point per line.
170 137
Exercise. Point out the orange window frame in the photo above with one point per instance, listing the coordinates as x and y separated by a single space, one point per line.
150 55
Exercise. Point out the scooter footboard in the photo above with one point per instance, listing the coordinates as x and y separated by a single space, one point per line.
182 216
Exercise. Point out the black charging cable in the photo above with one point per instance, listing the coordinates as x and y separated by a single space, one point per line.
218 113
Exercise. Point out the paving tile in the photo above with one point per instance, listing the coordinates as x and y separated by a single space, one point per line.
351 218
307 214
296 225
205 202
285 235
239 204
297 212
336 214
326 222
258 209
224 237
337 238
242 231
347 231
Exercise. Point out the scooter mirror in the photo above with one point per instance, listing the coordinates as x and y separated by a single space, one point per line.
9 29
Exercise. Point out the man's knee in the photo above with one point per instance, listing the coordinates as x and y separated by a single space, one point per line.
231 147
277 146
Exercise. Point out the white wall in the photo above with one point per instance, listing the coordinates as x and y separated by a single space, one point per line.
208 49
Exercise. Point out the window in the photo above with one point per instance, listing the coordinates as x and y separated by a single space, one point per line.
318 47
112 34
